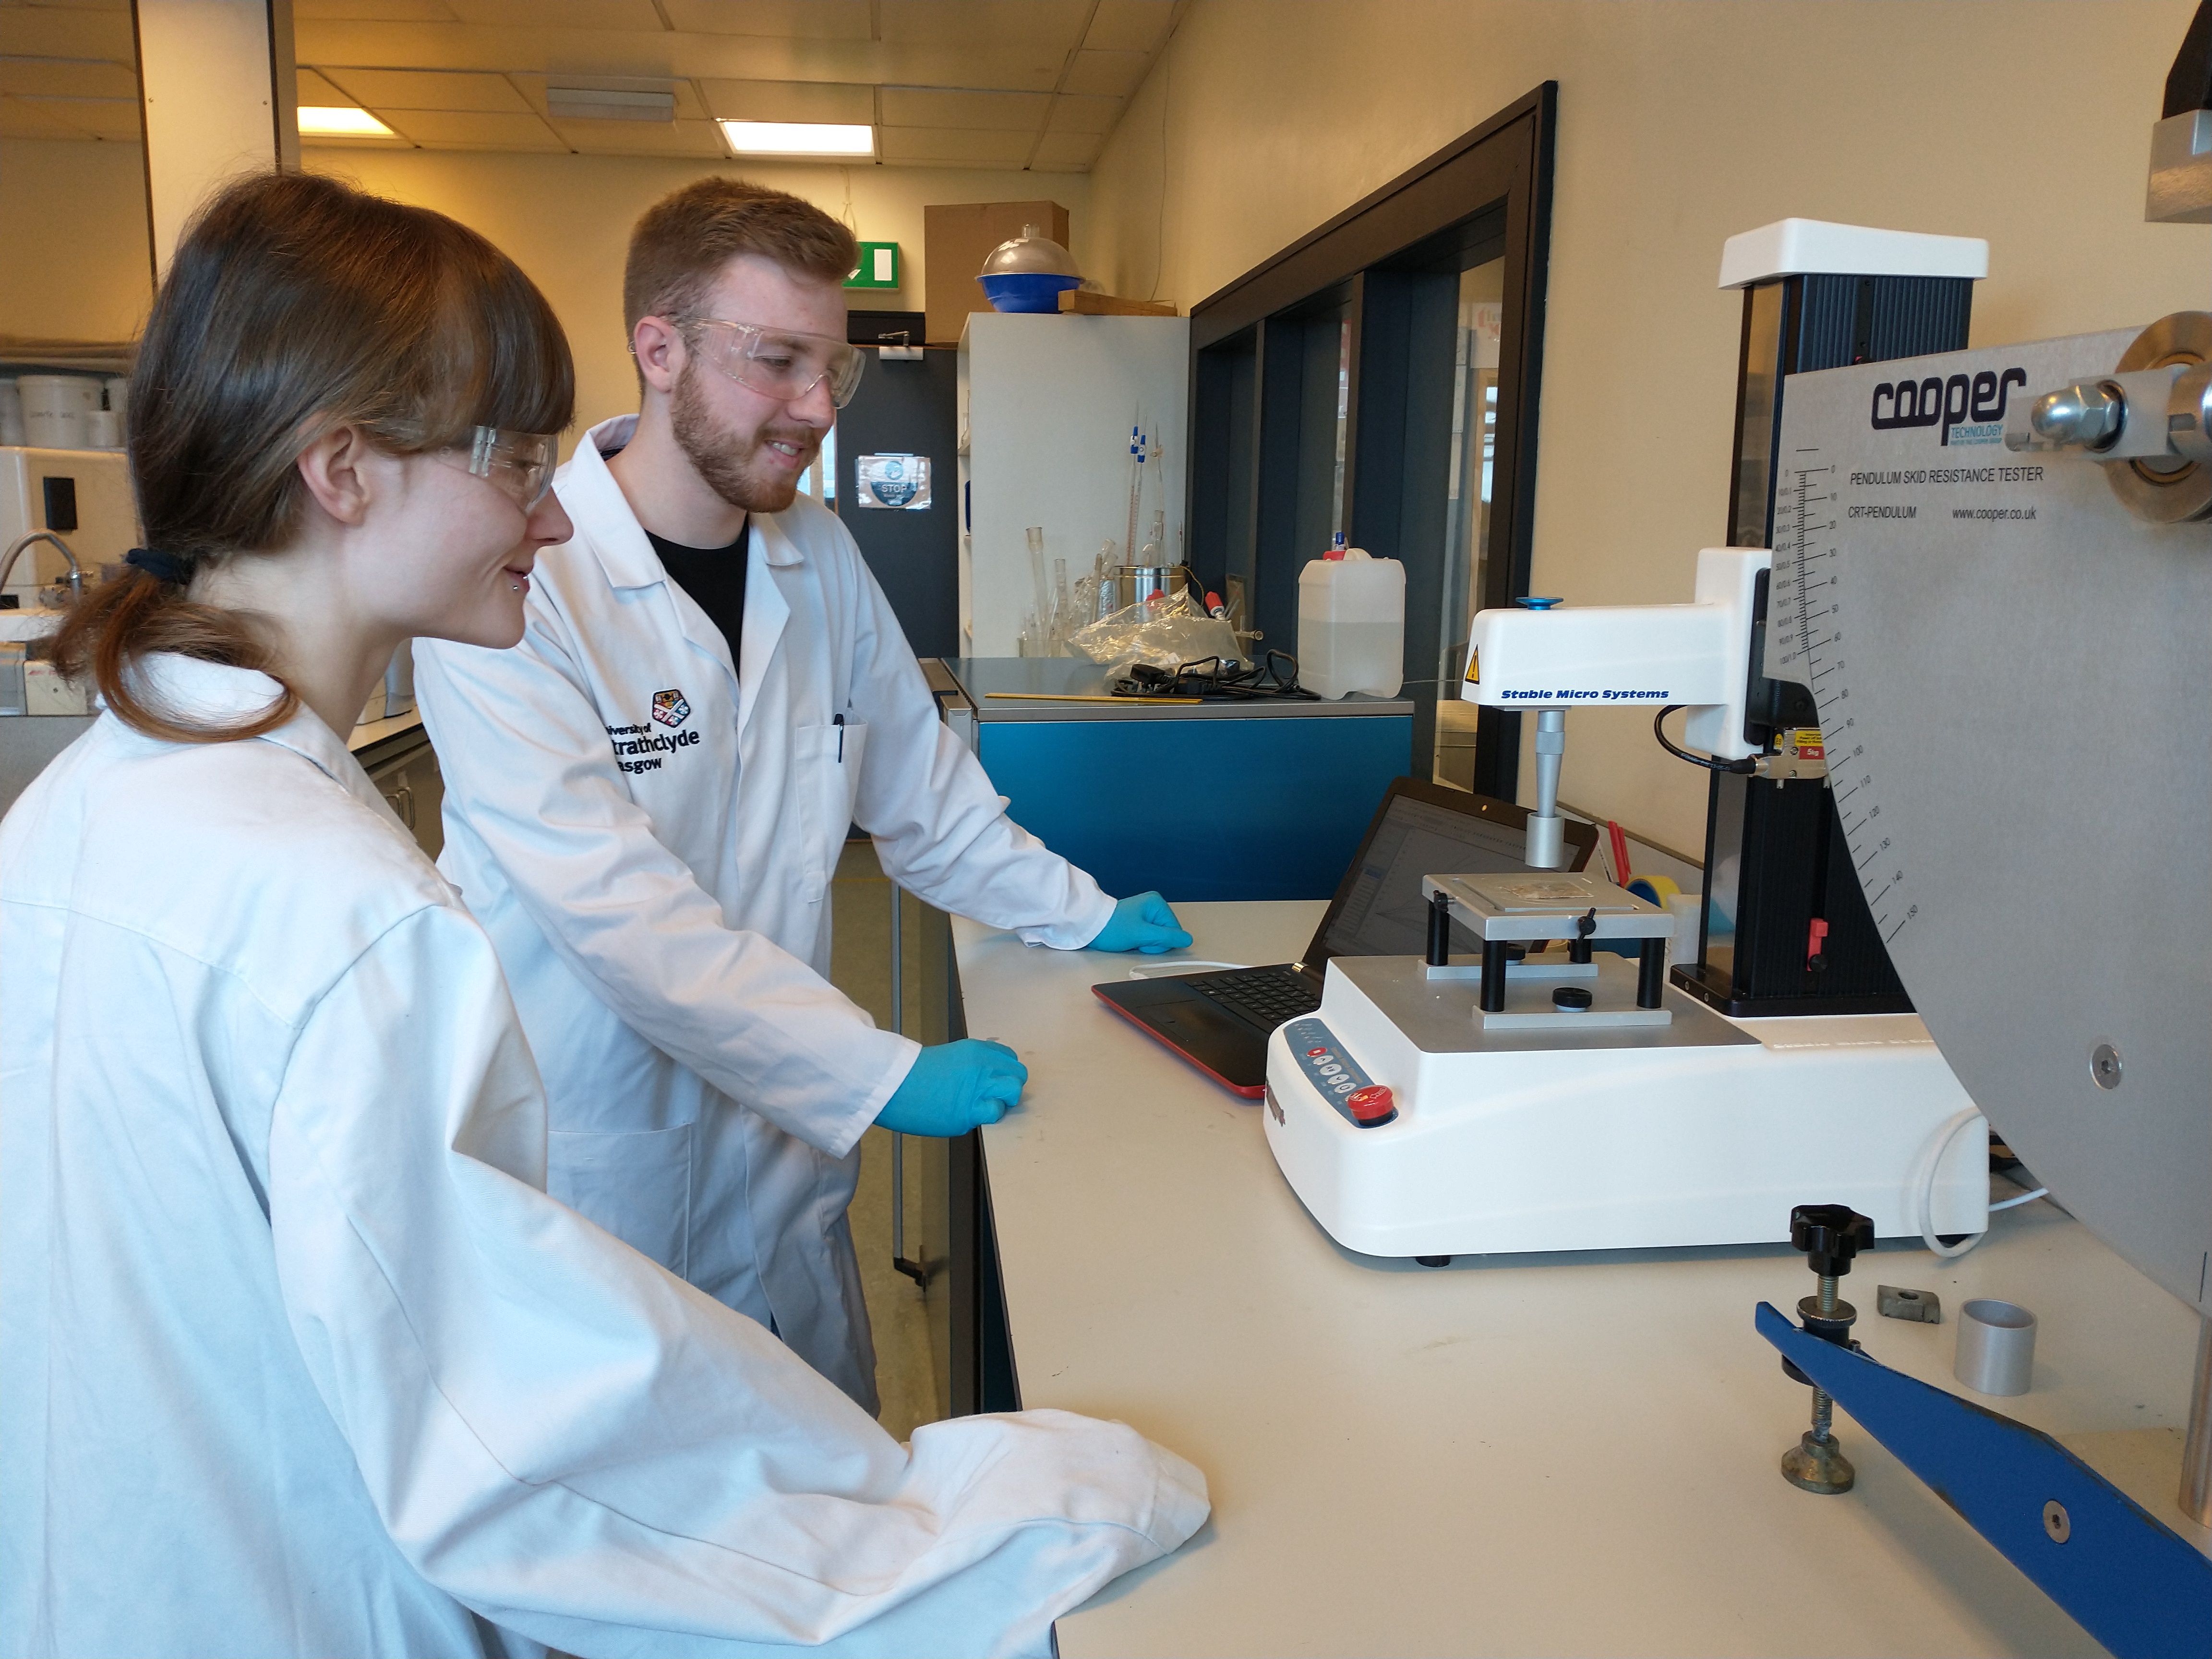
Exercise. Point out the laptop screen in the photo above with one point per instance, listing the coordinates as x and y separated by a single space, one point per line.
1380 911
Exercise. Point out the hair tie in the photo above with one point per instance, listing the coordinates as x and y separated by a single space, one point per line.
164 568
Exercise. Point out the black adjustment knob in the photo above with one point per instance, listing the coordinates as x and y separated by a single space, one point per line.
1830 1235
1579 947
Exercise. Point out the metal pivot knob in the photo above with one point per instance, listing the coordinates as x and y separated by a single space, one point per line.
1830 1235
2088 413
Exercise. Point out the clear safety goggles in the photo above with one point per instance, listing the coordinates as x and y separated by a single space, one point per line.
519 464
776 362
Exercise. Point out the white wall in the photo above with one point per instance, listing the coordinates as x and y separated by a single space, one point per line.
566 221
73 259
1681 122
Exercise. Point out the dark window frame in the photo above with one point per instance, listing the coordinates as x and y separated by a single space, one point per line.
1237 505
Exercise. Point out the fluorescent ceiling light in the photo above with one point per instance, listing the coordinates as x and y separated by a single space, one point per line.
328 121
800 139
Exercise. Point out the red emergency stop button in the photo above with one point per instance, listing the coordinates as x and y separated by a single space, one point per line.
1372 1106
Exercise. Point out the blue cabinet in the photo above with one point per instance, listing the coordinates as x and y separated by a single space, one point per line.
1218 801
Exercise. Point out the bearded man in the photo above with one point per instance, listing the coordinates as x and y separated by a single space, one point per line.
646 800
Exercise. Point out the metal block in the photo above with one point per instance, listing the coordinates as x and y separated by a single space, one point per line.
1919 1307
2180 189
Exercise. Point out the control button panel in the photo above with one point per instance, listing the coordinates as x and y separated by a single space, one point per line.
1338 1077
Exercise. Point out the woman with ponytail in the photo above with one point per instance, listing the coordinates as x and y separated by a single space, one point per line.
296 1357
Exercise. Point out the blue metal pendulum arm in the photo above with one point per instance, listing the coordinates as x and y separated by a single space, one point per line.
2137 1587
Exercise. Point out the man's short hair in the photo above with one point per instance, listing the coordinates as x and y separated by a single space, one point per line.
681 244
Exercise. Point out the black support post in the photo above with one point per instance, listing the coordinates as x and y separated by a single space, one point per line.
1493 976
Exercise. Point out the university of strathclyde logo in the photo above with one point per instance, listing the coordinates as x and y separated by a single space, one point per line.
669 708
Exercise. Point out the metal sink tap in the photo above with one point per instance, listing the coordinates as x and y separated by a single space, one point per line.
76 571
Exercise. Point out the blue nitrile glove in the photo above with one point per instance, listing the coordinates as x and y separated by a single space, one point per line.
1143 923
954 1087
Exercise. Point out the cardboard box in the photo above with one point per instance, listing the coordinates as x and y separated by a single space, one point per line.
1083 303
957 239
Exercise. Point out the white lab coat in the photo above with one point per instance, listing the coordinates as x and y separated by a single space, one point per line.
649 839
296 1356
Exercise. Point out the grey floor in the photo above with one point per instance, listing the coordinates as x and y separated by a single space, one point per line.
860 967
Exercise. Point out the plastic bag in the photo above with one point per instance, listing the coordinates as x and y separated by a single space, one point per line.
1164 630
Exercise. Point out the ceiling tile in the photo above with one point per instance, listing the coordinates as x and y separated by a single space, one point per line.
992 112
316 92
789 101
643 137
1072 152
47 77
390 88
986 64
447 129
1130 25
561 13
780 20
67 32
1115 74
96 118
372 11
955 145
20 119
1073 114
1057 23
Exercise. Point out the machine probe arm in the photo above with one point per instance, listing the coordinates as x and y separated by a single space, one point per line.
1548 659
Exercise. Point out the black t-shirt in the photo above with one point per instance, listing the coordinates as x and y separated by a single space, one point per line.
714 577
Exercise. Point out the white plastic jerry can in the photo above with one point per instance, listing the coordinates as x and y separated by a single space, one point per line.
1351 623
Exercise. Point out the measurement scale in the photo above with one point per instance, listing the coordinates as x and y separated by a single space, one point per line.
1853 502
1805 601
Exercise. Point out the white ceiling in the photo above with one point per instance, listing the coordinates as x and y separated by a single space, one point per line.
68 69
972 83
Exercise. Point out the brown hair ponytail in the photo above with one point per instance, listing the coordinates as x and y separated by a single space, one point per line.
296 304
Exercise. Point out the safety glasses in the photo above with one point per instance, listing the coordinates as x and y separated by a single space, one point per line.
776 362
519 465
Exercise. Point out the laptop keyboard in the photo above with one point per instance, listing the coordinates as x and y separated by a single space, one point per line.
1267 995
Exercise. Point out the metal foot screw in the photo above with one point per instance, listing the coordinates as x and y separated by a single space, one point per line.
1830 1235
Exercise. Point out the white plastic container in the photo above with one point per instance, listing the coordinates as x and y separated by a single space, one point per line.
54 408
1351 623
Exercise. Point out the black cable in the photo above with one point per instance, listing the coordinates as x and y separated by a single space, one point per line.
1658 725
1209 677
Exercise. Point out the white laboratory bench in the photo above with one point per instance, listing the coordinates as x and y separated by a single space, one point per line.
1568 1453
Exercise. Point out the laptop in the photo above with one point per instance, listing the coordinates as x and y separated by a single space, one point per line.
1220 1021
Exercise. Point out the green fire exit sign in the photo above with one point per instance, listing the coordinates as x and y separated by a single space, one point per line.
879 267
